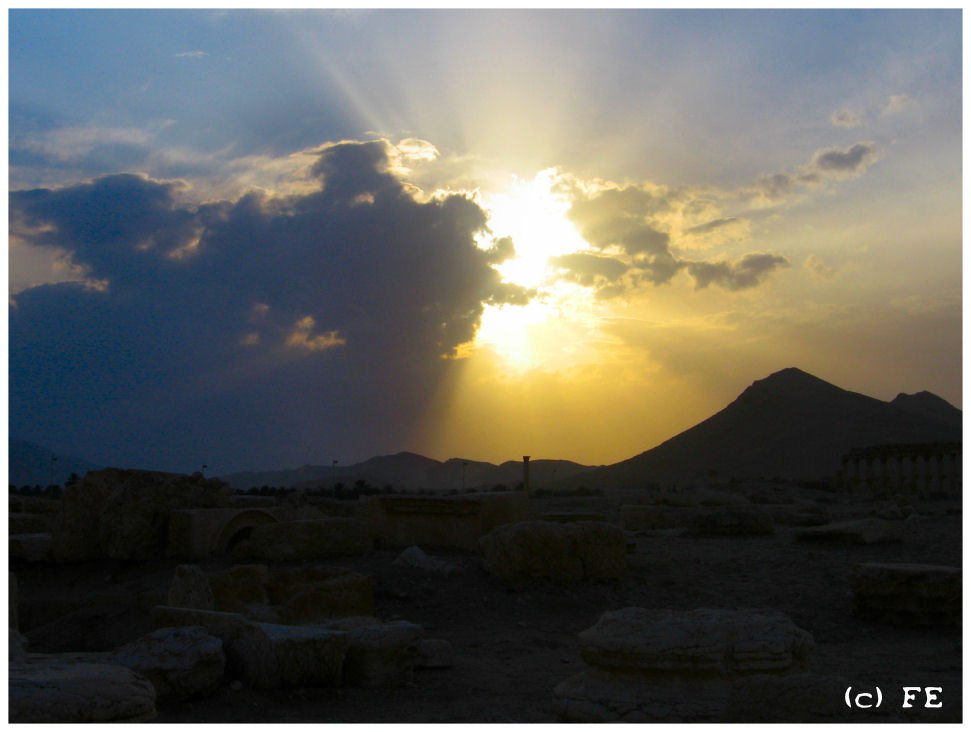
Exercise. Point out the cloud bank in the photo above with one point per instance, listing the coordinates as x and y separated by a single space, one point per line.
313 313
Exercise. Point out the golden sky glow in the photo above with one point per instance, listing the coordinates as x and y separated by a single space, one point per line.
570 234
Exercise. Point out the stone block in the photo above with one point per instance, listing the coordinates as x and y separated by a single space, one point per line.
18 645
44 689
317 594
575 551
799 514
182 663
669 666
731 521
861 531
454 521
190 588
911 595
31 547
703 641
636 517
435 653
271 656
228 627
30 523
306 539
13 601
124 514
382 655
236 588
413 556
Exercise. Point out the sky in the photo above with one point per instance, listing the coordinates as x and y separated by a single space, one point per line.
261 239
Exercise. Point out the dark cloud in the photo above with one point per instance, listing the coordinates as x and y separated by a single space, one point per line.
590 270
261 331
747 272
711 226
628 224
825 165
852 161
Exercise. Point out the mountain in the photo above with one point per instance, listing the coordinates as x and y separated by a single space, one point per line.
409 470
789 425
929 405
30 464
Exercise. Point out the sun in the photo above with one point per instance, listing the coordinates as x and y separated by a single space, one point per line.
535 217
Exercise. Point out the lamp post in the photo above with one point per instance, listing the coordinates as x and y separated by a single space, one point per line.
463 475
333 473
53 460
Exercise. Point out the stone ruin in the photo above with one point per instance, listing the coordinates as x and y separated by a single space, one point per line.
453 521
562 551
908 595
669 666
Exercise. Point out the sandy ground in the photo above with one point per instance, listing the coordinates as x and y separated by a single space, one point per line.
515 643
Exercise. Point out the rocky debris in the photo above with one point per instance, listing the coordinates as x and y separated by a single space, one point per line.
181 663
34 504
731 521
242 500
271 656
31 547
227 627
306 539
724 642
318 594
455 521
804 513
30 523
699 497
911 595
575 551
47 689
235 589
671 666
124 514
190 588
382 655
266 655
18 645
295 595
413 556
566 517
13 601
637 517
860 531
435 653
803 698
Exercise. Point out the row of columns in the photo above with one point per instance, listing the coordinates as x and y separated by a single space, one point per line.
921 471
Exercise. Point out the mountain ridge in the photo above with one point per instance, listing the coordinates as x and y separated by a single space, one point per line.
790 424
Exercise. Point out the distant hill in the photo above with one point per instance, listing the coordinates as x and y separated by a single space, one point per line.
409 470
789 425
30 464
931 406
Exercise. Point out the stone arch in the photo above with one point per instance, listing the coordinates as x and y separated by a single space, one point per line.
239 526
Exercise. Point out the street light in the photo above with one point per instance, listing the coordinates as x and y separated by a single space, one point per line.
53 460
333 473
463 475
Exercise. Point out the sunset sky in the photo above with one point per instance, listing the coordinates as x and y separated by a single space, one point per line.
257 240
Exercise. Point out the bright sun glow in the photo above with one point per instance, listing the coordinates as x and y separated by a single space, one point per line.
534 217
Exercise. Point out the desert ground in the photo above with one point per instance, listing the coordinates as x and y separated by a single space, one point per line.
514 641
